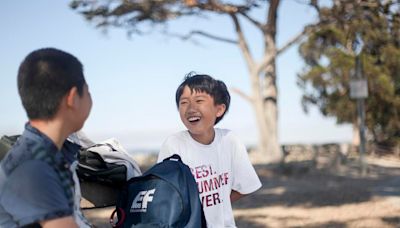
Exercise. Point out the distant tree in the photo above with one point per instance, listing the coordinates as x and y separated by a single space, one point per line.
330 63
130 15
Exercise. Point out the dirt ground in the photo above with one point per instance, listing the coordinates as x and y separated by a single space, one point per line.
306 193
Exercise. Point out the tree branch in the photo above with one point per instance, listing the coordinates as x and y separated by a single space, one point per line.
295 39
252 20
242 94
315 5
208 35
242 43
269 58
272 17
217 6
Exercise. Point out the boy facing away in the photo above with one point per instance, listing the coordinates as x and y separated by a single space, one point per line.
38 183
217 159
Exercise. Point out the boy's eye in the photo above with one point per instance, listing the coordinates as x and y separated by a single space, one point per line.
182 102
199 101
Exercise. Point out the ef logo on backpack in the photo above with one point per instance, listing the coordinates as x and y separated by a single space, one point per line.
141 200
164 196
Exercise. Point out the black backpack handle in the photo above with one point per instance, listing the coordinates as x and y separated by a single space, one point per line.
174 157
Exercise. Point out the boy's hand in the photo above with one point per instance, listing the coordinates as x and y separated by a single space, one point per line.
235 196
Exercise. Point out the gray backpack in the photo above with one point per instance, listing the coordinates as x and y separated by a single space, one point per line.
6 142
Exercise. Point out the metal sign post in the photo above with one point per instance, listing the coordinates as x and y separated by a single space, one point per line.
359 91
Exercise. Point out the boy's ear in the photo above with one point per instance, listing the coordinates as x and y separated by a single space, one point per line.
71 96
221 108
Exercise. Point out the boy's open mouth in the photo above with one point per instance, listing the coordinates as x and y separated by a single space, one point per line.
194 119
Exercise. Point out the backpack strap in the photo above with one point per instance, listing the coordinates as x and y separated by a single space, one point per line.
121 217
176 157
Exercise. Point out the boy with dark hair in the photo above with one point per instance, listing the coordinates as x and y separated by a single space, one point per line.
38 183
217 159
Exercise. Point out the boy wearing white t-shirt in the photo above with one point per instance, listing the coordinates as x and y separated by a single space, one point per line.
217 159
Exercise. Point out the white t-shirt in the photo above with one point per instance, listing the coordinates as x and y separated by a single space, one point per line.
218 168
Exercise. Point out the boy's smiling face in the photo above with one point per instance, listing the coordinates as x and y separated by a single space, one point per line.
198 113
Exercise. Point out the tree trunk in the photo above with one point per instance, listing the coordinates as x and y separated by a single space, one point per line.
265 107
258 106
271 116
269 88
264 90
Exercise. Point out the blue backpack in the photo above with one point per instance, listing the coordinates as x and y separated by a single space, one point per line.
164 196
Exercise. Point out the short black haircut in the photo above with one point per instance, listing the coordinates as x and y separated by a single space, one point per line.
206 84
44 78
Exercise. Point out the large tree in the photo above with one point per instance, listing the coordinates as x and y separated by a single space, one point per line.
330 64
262 72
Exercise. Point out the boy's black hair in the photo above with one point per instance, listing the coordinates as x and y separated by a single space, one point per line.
205 83
44 78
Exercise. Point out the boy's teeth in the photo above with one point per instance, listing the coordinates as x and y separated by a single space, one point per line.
194 118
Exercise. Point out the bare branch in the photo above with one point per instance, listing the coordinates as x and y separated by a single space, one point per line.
218 7
314 3
242 94
272 17
295 39
252 20
269 58
242 43
208 35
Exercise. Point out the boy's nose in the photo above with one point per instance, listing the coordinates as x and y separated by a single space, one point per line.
191 109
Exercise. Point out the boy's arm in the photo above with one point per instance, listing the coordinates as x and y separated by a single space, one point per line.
245 179
235 196
67 222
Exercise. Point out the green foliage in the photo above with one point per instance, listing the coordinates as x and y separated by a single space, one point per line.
329 56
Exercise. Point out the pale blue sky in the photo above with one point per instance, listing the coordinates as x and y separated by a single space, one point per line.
133 81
